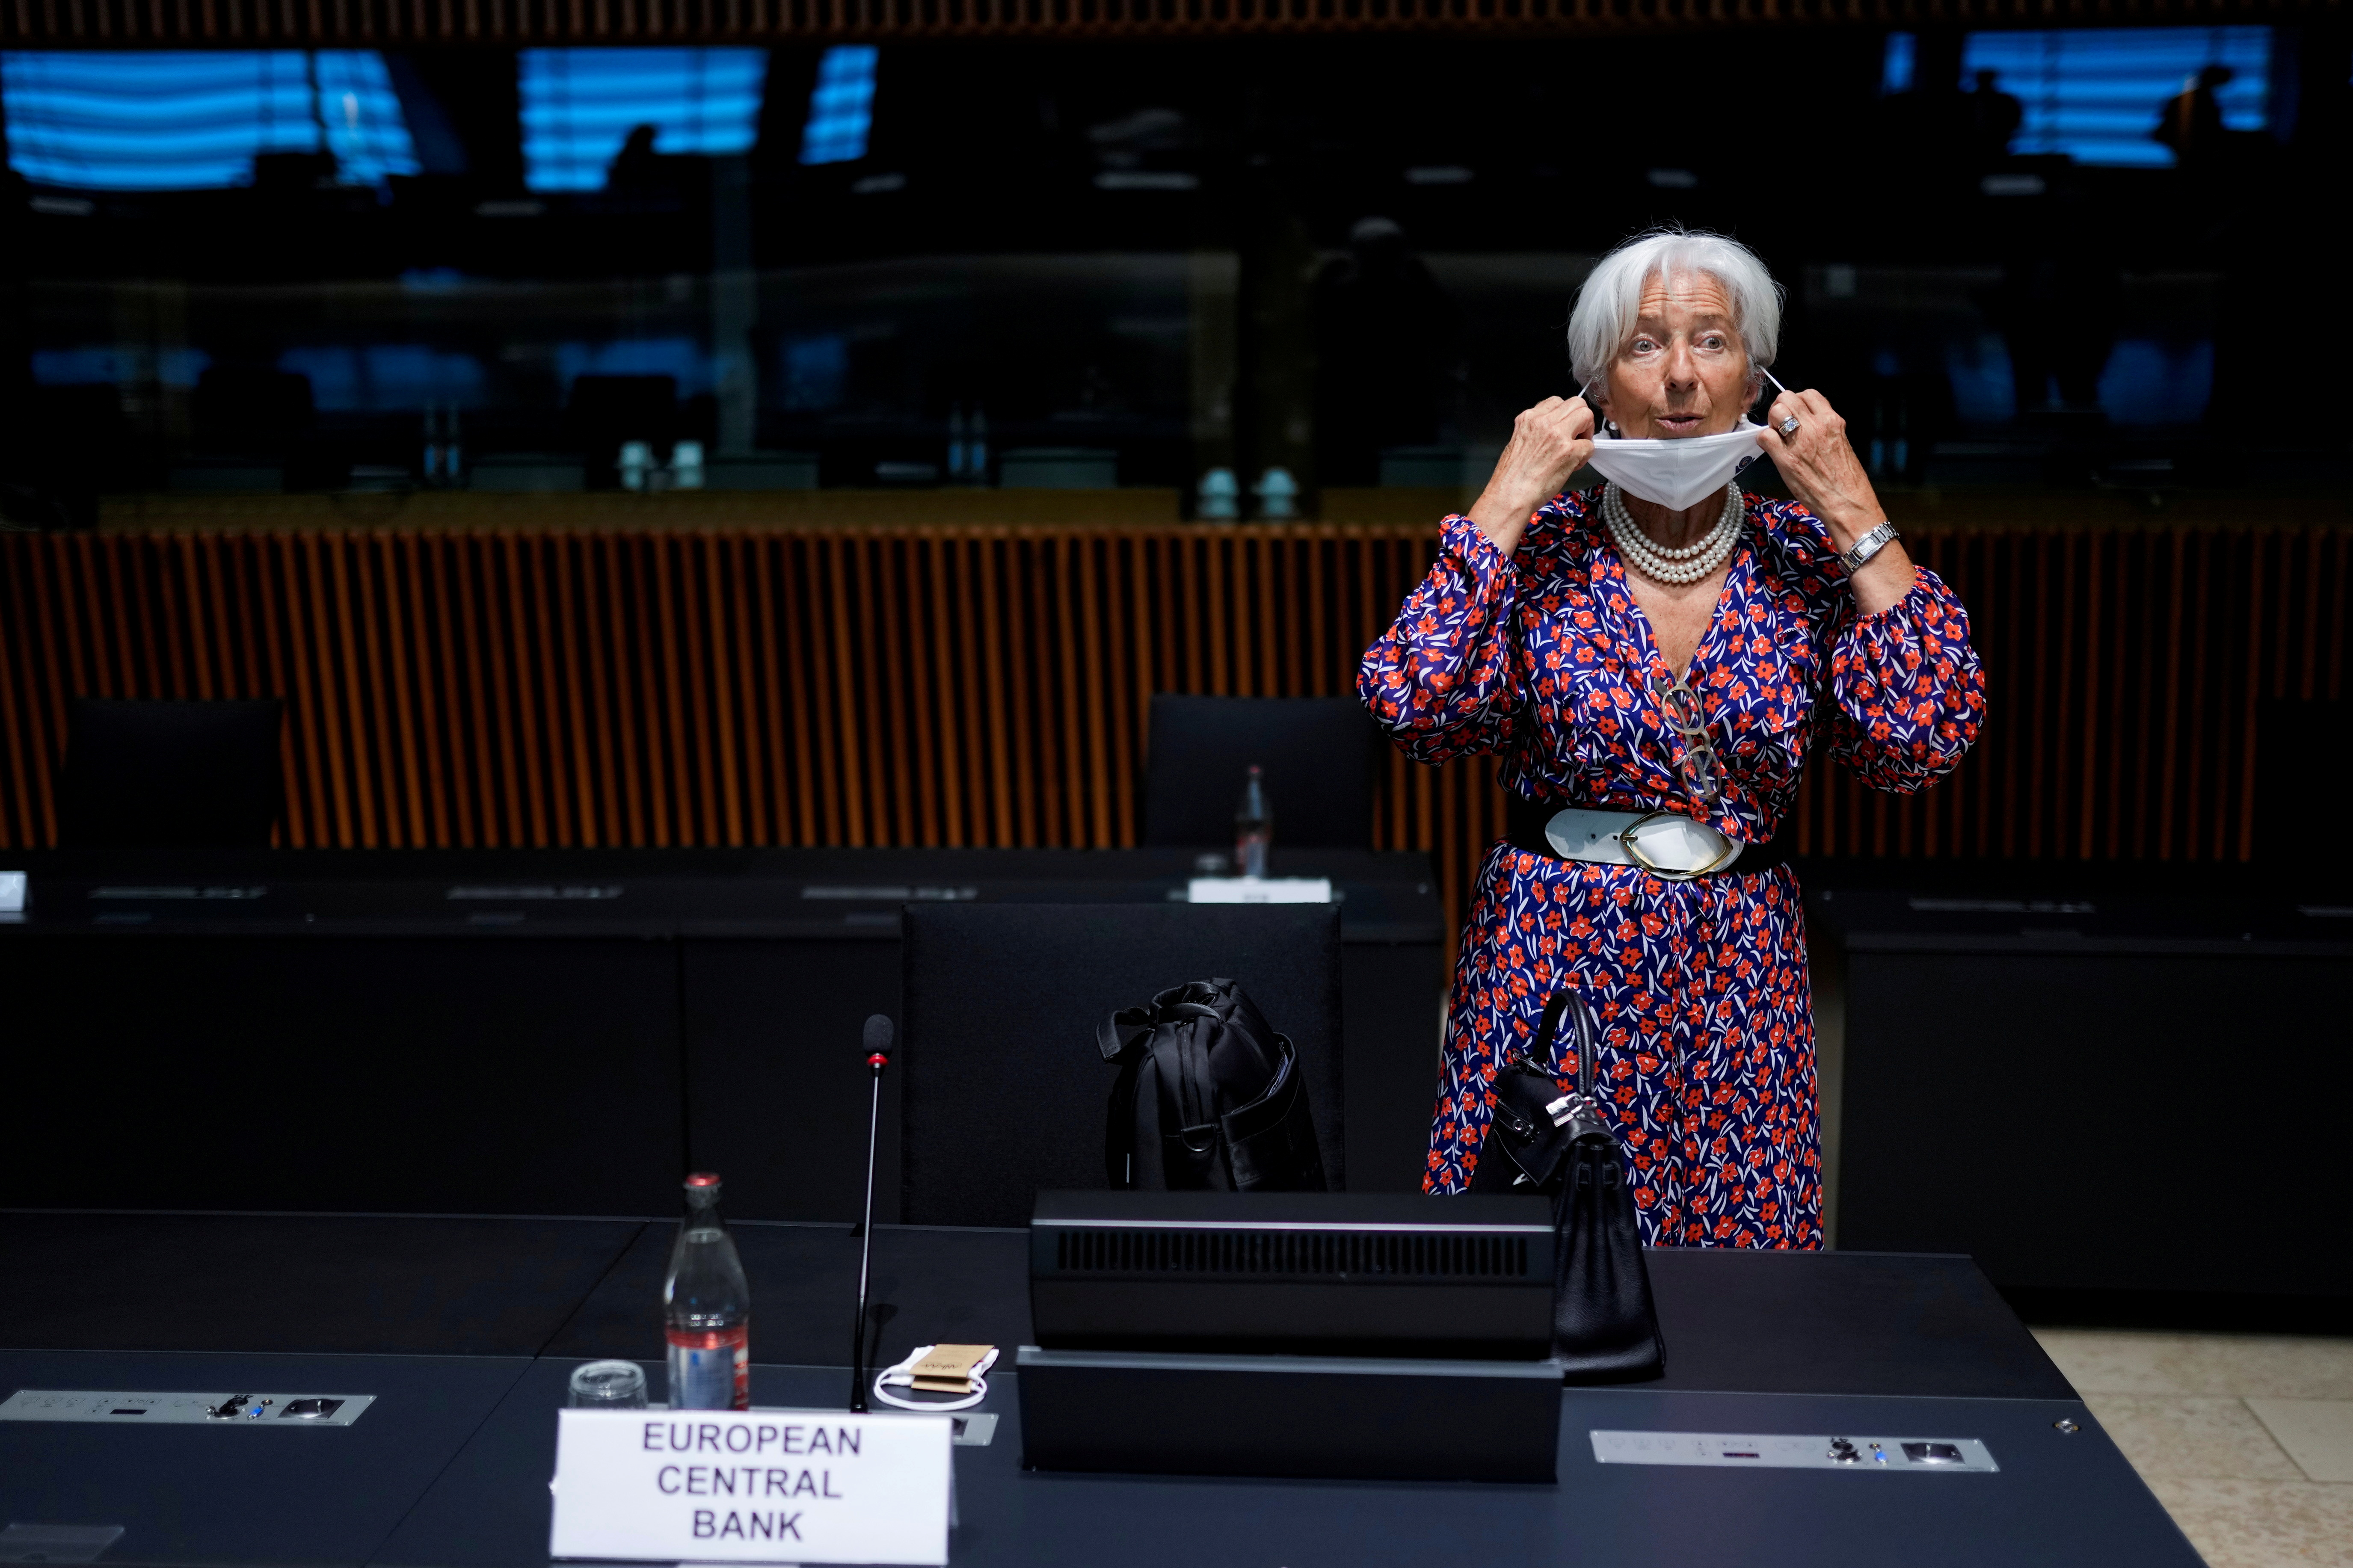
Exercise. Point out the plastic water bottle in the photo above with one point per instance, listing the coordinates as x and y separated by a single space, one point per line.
443 456
1219 497
1278 494
707 1308
636 464
1254 825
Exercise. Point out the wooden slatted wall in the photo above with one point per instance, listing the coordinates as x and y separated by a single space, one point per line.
988 686
167 24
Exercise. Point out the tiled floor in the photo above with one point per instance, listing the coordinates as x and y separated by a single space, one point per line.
2247 1439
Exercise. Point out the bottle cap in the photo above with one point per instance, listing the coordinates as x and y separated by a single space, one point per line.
703 1179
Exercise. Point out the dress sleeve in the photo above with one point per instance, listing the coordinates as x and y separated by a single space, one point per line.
1442 681
1908 695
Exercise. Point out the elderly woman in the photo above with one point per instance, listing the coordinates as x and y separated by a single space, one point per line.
1653 659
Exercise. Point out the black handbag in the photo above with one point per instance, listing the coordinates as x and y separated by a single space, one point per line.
1604 1327
1208 1098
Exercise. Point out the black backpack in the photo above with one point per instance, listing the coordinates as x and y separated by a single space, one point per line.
1605 1329
1208 1098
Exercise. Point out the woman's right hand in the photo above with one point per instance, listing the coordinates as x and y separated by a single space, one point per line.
1549 443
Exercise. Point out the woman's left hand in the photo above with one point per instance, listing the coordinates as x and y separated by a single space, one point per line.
1818 465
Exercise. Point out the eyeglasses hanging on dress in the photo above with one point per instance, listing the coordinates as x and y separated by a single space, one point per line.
1701 769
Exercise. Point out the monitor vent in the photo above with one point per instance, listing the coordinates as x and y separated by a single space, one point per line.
1292 1254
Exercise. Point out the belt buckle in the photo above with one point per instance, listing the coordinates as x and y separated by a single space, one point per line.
1626 840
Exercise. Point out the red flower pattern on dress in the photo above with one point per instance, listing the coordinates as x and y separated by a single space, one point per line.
1707 1048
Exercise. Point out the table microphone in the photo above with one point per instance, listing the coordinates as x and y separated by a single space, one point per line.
878 1057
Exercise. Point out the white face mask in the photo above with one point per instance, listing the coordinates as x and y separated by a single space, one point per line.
1680 472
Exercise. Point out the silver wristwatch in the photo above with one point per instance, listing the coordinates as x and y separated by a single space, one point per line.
1869 545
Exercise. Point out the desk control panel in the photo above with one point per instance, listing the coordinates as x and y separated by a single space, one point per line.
176 1408
1792 1451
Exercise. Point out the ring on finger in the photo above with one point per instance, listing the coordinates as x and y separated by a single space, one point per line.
1789 427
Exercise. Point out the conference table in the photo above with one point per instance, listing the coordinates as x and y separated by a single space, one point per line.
2046 1034
457 1031
464 1331
492 1031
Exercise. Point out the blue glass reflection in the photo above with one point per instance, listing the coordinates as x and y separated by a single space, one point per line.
580 105
841 106
89 363
2096 94
816 371
1896 67
185 119
2149 381
682 358
385 378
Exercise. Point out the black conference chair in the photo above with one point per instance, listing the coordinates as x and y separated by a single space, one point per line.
1319 753
1003 1089
169 775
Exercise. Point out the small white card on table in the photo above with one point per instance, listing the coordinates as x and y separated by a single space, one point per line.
751 1486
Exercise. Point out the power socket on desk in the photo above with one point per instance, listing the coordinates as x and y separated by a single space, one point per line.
1790 1451
177 1408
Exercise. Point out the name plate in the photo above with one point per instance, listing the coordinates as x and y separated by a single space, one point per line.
751 1485
1258 890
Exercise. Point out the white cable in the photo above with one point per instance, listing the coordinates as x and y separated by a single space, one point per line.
904 1376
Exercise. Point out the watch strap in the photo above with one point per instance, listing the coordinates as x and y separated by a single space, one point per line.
1869 545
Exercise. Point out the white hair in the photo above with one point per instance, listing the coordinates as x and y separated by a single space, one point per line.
1612 299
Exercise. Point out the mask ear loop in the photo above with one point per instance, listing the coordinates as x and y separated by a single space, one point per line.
1582 387
1784 391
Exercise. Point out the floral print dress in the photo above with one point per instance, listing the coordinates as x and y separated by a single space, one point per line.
1699 987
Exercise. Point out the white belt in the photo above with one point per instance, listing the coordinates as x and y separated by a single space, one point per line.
1664 843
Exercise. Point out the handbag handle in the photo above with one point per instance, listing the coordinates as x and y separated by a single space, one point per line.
1548 1027
1117 1034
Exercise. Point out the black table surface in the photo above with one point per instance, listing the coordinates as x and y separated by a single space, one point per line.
2228 921
2059 1498
318 1284
270 1494
853 894
449 1468
1836 1322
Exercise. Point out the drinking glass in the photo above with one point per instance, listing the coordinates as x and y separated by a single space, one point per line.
609 1385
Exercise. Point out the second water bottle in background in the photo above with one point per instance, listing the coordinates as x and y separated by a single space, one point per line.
707 1310
1254 825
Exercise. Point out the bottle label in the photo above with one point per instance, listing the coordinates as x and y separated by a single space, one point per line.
711 1368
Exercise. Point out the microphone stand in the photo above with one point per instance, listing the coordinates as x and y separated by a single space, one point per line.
876 1060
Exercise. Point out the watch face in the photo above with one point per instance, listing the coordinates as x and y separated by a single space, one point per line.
1869 544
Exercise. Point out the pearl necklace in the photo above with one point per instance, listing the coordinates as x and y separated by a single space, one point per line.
1682 564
